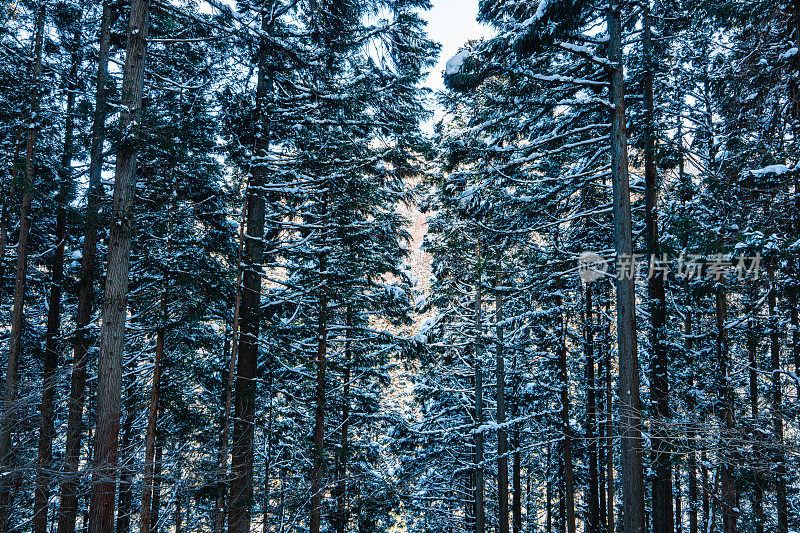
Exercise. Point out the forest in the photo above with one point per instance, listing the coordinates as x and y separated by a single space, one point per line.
257 275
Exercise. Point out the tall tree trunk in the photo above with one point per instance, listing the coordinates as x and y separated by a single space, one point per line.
161 334
593 525
502 438
68 509
548 495
9 191
752 357
52 337
663 519
779 460
794 320
9 408
478 366
155 509
319 400
517 481
269 433
728 498
231 350
241 485
342 517
568 494
112 333
705 489
630 405
609 427
678 501
692 437
127 472
600 446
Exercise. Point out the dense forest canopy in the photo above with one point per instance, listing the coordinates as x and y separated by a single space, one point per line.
246 286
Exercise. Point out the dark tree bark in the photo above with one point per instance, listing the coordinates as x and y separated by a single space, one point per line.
478 367
517 481
52 337
609 428
728 497
630 404
241 485
231 347
319 402
9 408
342 513
794 320
663 518
688 328
548 495
112 333
158 467
752 357
593 522
568 490
779 458
68 510
502 438
705 489
9 191
127 472
146 525
678 501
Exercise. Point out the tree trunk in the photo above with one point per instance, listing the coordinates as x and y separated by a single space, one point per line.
705 489
779 460
269 433
9 190
609 427
663 520
502 438
231 347
155 510
517 481
127 473
152 415
630 405
9 408
600 446
568 494
593 525
52 337
758 486
241 485
342 517
692 438
68 510
112 333
478 366
319 414
678 501
794 321
728 498
548 495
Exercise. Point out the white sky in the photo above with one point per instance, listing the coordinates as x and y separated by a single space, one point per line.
452 23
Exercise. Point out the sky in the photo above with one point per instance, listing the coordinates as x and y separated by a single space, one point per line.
452 23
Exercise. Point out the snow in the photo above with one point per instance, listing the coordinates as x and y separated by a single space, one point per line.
540 11
454 63
771 169
790 53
